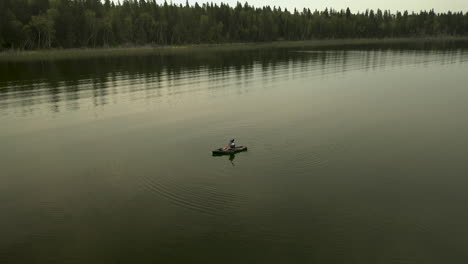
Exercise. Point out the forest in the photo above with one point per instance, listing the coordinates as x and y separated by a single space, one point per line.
44 24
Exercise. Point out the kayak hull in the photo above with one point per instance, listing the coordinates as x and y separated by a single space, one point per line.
229 151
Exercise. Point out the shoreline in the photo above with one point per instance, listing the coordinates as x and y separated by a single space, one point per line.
51 54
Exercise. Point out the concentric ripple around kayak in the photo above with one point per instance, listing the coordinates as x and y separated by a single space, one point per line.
200 197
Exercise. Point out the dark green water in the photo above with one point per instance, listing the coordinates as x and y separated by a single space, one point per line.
356 155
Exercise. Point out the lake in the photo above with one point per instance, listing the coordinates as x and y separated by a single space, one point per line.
357 154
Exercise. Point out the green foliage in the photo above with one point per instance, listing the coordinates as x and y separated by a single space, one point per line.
43 30
38 24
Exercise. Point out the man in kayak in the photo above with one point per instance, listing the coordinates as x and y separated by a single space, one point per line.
232 144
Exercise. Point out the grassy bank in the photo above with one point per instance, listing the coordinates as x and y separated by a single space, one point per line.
149 50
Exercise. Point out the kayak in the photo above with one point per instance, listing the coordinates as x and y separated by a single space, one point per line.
226 150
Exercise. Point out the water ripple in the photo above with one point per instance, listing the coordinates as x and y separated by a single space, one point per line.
201 197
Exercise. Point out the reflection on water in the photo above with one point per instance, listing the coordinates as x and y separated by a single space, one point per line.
229 157
68 85
355 155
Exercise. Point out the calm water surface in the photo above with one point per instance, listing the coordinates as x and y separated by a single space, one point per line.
356 155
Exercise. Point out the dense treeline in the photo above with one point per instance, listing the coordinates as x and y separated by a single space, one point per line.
37 24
